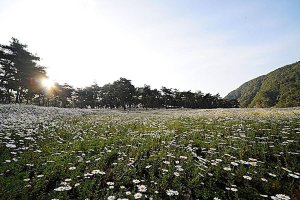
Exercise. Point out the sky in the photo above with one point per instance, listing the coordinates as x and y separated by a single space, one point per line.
199 45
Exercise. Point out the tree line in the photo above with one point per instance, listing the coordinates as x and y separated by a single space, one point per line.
21 82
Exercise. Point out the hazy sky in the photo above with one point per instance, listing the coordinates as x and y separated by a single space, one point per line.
212 46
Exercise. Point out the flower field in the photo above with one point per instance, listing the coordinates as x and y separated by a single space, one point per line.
52 153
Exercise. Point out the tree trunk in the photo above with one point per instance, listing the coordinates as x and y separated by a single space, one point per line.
17 96
20 96
8 96
39 99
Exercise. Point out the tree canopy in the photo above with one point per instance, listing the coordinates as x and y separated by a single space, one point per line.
21 81
279 88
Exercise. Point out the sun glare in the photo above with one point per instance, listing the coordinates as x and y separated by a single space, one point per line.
47 83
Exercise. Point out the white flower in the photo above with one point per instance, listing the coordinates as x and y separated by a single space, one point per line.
253 163
63 188
264 195
274 175
247 177
138 195
164 170
283 196
76 184
11 146
166 162
135 181
87 175
264 180
294 175
72 168
285 169
142 188
179 168
128 193
97 171
275 198
111 198
227 168
110 183
171 192
176 174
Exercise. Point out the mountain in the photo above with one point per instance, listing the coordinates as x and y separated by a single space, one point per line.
279 88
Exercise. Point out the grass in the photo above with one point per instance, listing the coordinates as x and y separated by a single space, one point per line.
176 154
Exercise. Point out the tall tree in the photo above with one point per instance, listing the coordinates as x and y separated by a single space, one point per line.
149 98
17 68
167 97
124 92
34 85
92 95
7 72
107 97
65 95
25 65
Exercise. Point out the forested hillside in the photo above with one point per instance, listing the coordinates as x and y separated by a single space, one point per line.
280 88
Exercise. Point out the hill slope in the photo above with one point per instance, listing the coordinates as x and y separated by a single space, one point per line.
279 88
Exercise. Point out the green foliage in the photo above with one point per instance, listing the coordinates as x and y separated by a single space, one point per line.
279 88
19 72
165 151
21 79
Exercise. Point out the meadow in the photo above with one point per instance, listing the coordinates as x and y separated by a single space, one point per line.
54 153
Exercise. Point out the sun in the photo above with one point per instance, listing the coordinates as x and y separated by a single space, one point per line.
47 83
